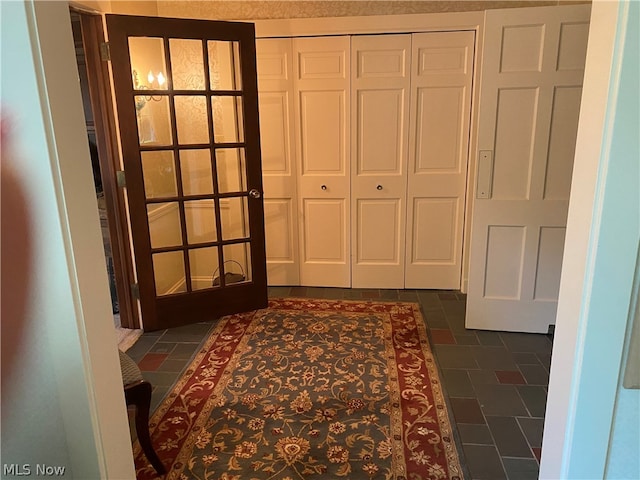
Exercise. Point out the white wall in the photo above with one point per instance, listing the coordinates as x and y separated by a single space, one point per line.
598 268
623 460
62 396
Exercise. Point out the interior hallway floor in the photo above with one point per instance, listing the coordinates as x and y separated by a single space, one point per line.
495 382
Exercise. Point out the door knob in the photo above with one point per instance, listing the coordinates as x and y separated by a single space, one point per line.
379 187
323 187
253 193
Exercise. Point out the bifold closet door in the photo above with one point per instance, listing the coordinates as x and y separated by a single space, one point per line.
321 66
380 91
276 98
441 78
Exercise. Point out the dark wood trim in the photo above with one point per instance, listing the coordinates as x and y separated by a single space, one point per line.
253 157
129 141
144 26
106 140
177 164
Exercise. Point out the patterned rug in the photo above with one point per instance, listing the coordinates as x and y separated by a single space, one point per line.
308 389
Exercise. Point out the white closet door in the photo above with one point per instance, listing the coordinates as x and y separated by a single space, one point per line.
321 67
379 138
441 75
276 97
530 102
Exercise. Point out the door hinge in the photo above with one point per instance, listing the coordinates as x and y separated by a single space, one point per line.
105 51
135 291
121 179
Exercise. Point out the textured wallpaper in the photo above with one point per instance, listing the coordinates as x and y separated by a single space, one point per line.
271 9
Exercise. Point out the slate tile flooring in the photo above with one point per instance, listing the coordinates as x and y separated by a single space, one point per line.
495 382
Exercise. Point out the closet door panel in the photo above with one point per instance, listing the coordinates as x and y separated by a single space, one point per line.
440 130
435 220
321 67
380 120
275 99
276 154
380 111
322 133
442 72
324 246
372 213
279 217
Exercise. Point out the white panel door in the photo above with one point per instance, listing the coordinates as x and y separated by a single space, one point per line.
530 101
379 143
276 97
441 81
321 66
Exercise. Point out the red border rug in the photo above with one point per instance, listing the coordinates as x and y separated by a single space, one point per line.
308 389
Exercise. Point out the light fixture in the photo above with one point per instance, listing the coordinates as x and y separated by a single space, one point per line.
156 82
160 79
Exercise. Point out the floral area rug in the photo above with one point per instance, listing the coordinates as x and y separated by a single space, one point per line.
308 389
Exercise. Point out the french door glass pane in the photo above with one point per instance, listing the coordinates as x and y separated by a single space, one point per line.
203 263
159 174
237 259
148 67
231 170
224 65
234 218
154 122
201 221
187 64
168 272
195 166
164 224
191 119
227 119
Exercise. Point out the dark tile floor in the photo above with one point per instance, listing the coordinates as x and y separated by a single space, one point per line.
495 382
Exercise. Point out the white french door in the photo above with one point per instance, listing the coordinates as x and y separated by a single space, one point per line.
530 101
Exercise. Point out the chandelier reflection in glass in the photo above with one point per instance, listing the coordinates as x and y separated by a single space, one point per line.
153 82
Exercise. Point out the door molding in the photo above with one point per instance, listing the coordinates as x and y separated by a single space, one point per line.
410 23
586 365
109 157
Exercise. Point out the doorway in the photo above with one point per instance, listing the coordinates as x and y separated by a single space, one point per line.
87 31
185 204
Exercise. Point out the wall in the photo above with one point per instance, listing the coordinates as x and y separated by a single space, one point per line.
255 10
623 461
135 7
60 339
122 7
92 5
597 275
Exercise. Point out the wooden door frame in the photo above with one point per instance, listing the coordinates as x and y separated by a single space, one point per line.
109 159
